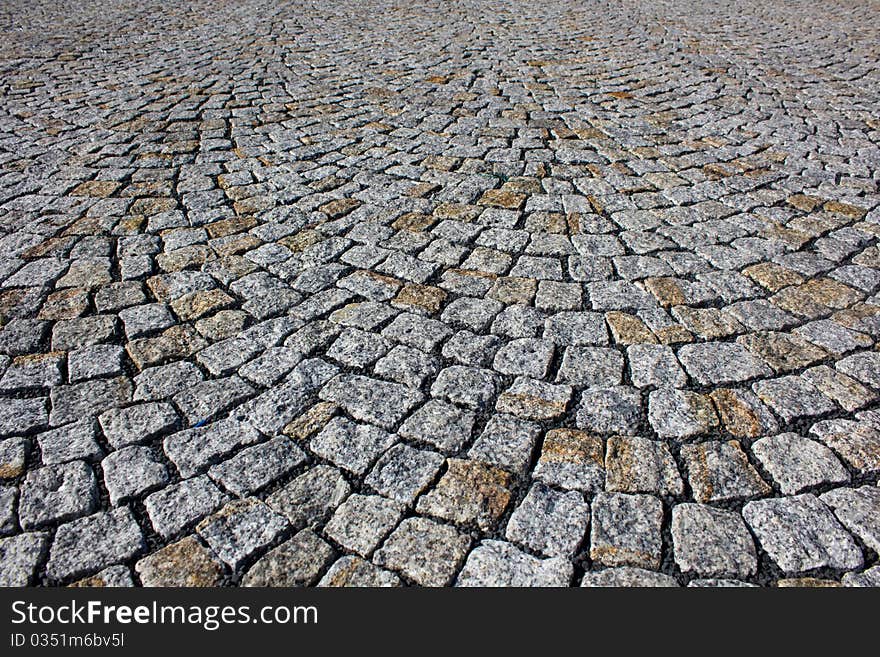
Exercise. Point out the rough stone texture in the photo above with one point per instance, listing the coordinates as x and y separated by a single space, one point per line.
801 534
296 562
859 511
495 563
240 529
287 254
424 551
184 563
639 465
550 522
798 463
719 471
626 530
573 460
712 542
91 543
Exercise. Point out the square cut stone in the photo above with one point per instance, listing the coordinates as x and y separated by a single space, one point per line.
469 493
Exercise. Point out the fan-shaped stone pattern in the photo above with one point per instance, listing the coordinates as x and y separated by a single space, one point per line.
520 293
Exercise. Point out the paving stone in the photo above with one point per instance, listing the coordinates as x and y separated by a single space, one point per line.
468 386
550 522
793 398
467 348
797 464
424 551
91 543
72 402
138 423
719 471
626 530
610 410
182 505
506 442
351 446
639 465
470 313
240 529
496 563
469 493
57 493
156 383
442 425
254 468
801 534
370 400
311 497
719 363
857 509
524 357
856 443
712 542
654 365
19 416
352 571
131 472
296 562
534 400
404 472
742 414
70 442
32 372
591 367
576 328
572 460
680 413
362 522
408 366
193 450
19 557
627 576
184 563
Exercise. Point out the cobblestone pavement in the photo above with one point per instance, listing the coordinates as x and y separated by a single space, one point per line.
382 293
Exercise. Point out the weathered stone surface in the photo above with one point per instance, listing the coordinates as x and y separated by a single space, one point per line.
468 493
57 492
91 543
424 551
311 497
19 556
719 471
351 571
628 576
626 530
496 563
680 413
798 463
180 506
184 563
610 410
296 562
370 400
712 542
858 509
573 460
442 425
550 522
801 534
639 465
375 270
240 529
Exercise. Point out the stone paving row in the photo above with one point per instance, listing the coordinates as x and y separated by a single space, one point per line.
441 293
